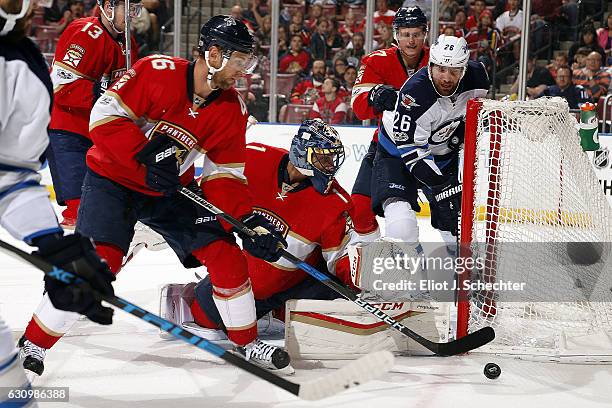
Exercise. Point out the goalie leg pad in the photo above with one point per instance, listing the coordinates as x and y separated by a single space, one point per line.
341 330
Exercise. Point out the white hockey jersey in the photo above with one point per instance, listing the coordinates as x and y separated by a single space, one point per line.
419 128
25 106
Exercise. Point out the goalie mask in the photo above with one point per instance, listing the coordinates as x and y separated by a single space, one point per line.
230 35
317 152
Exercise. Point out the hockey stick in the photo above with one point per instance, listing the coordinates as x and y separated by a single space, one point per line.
462 345
357 372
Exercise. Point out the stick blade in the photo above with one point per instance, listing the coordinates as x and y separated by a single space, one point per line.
351 375
467 343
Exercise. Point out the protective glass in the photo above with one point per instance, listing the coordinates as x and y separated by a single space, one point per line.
327 161
406 35
455 72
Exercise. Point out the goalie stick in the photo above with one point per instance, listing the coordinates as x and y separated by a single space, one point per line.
459 346
355 373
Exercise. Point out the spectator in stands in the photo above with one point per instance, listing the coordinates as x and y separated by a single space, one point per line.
386 37
350 76
340 65
477 9
297 60
604 39
255 13
354 51
593 76
308 90
315 13
55 13
141 29
236 12
567 20
350 26
283 41
76 9
484 55
460 21
484 31
510 22
333 39
447 10
264 32
538 78
330 107
574 94
296 27
156 11
449 30
559 61
318 41
383 14
580 58
588 39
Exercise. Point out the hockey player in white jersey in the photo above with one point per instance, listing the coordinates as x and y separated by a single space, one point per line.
419 142
25 210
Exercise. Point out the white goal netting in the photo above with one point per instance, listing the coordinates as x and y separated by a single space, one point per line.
539 216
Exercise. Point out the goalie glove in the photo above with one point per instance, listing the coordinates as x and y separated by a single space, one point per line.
160 158
447 198
382 98
267 242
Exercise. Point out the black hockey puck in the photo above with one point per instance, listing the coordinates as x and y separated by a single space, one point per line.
492 371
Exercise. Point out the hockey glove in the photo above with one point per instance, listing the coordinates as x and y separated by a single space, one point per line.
76 254
266 243
447 198
382 98
160 158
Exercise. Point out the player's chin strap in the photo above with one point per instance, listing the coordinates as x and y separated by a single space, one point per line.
434 85
212 70
111 19
11 19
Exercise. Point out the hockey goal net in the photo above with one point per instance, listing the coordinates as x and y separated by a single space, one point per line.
531 208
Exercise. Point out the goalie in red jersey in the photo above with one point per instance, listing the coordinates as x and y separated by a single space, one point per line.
133 174
381 75
285 186
90 55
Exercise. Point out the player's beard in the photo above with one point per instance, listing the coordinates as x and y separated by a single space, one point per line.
220 81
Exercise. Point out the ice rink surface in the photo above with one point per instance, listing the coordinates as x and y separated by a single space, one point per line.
129 365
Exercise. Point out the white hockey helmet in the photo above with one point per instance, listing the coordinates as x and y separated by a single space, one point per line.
450 52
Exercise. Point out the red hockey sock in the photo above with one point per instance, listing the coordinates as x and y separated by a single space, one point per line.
232 291
39 336
364 219
200 317
72 209
112 254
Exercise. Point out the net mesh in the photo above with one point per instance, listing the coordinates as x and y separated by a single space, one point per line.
533 183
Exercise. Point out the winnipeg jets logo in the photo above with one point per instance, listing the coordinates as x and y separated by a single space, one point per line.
408 102
193 113
230 21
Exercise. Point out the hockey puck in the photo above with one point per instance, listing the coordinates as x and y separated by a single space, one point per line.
492 371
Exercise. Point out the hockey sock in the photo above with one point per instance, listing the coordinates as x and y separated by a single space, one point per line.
200 317
112 254
232 291
364 219
72 209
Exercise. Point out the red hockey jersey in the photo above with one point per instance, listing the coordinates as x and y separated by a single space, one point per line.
380 67
86 53
160 89
313 224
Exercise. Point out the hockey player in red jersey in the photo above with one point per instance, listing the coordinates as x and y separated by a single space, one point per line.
381 75
90 55
285 186
133 175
